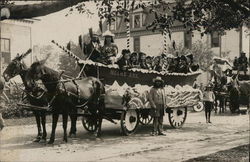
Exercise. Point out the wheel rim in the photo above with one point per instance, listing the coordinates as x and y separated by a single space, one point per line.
198 107
131 120
177 117
89 124
145 118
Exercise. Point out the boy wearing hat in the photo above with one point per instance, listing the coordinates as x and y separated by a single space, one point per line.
208 99
156 99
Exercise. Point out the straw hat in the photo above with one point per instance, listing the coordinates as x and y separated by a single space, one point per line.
158 78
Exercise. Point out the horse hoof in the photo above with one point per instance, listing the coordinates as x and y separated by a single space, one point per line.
65 140
37 140
42 141
72 136
51 142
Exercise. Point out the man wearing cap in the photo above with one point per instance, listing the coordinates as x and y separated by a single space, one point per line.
109 49
91 47
157 102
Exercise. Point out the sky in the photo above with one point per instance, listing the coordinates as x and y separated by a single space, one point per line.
61 28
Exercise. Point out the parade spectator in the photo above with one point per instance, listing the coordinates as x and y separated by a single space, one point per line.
208 99
243 63
149 62
236 63
134 63
157 102
109 49
124 62
142 60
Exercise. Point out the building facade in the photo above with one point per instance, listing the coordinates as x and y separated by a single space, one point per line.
16 38
141 39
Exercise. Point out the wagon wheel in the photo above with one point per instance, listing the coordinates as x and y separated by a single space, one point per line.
199 107
129 121
89 123
145 118
177 117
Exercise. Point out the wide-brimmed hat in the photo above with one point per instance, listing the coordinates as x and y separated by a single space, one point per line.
108 33
158 78
170 56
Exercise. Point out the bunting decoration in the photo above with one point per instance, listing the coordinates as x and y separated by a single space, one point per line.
71 54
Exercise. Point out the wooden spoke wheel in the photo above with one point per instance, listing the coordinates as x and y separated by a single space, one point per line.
90 123
144 117
129 121
177 117
199 107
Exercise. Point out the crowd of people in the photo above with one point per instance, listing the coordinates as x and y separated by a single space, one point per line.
169 63
105 54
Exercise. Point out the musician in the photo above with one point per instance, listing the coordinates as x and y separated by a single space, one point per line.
109 49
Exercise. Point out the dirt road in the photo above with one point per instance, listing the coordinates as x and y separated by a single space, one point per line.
196 138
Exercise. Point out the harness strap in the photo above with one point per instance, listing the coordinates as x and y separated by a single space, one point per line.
78 90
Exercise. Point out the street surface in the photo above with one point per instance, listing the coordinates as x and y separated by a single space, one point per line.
195 139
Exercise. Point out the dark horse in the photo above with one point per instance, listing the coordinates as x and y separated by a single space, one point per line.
37 97
67 95
237 90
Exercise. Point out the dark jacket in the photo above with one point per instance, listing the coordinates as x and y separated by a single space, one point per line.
124 64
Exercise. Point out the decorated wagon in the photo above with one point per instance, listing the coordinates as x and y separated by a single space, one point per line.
137 83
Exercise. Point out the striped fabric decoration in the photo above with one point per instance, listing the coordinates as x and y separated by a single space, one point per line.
67 51
128 27
165 37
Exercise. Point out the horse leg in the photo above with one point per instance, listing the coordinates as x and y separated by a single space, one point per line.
43 117
73 118
54 124
38 123
65 122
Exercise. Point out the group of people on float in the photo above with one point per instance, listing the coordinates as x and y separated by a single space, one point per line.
107 54
169 63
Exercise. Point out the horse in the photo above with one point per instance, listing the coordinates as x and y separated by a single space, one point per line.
36 97
238 89
67 95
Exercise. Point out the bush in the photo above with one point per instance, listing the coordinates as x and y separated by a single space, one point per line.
11 109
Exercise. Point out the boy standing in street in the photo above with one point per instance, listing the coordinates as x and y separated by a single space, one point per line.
208 99
156 99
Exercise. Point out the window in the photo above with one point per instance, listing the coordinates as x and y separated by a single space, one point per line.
137 21
137 44
215 39
5 50
118 21
188 40
5 45
112 25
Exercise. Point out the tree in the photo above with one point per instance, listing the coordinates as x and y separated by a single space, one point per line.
203 55
202 15
68 64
